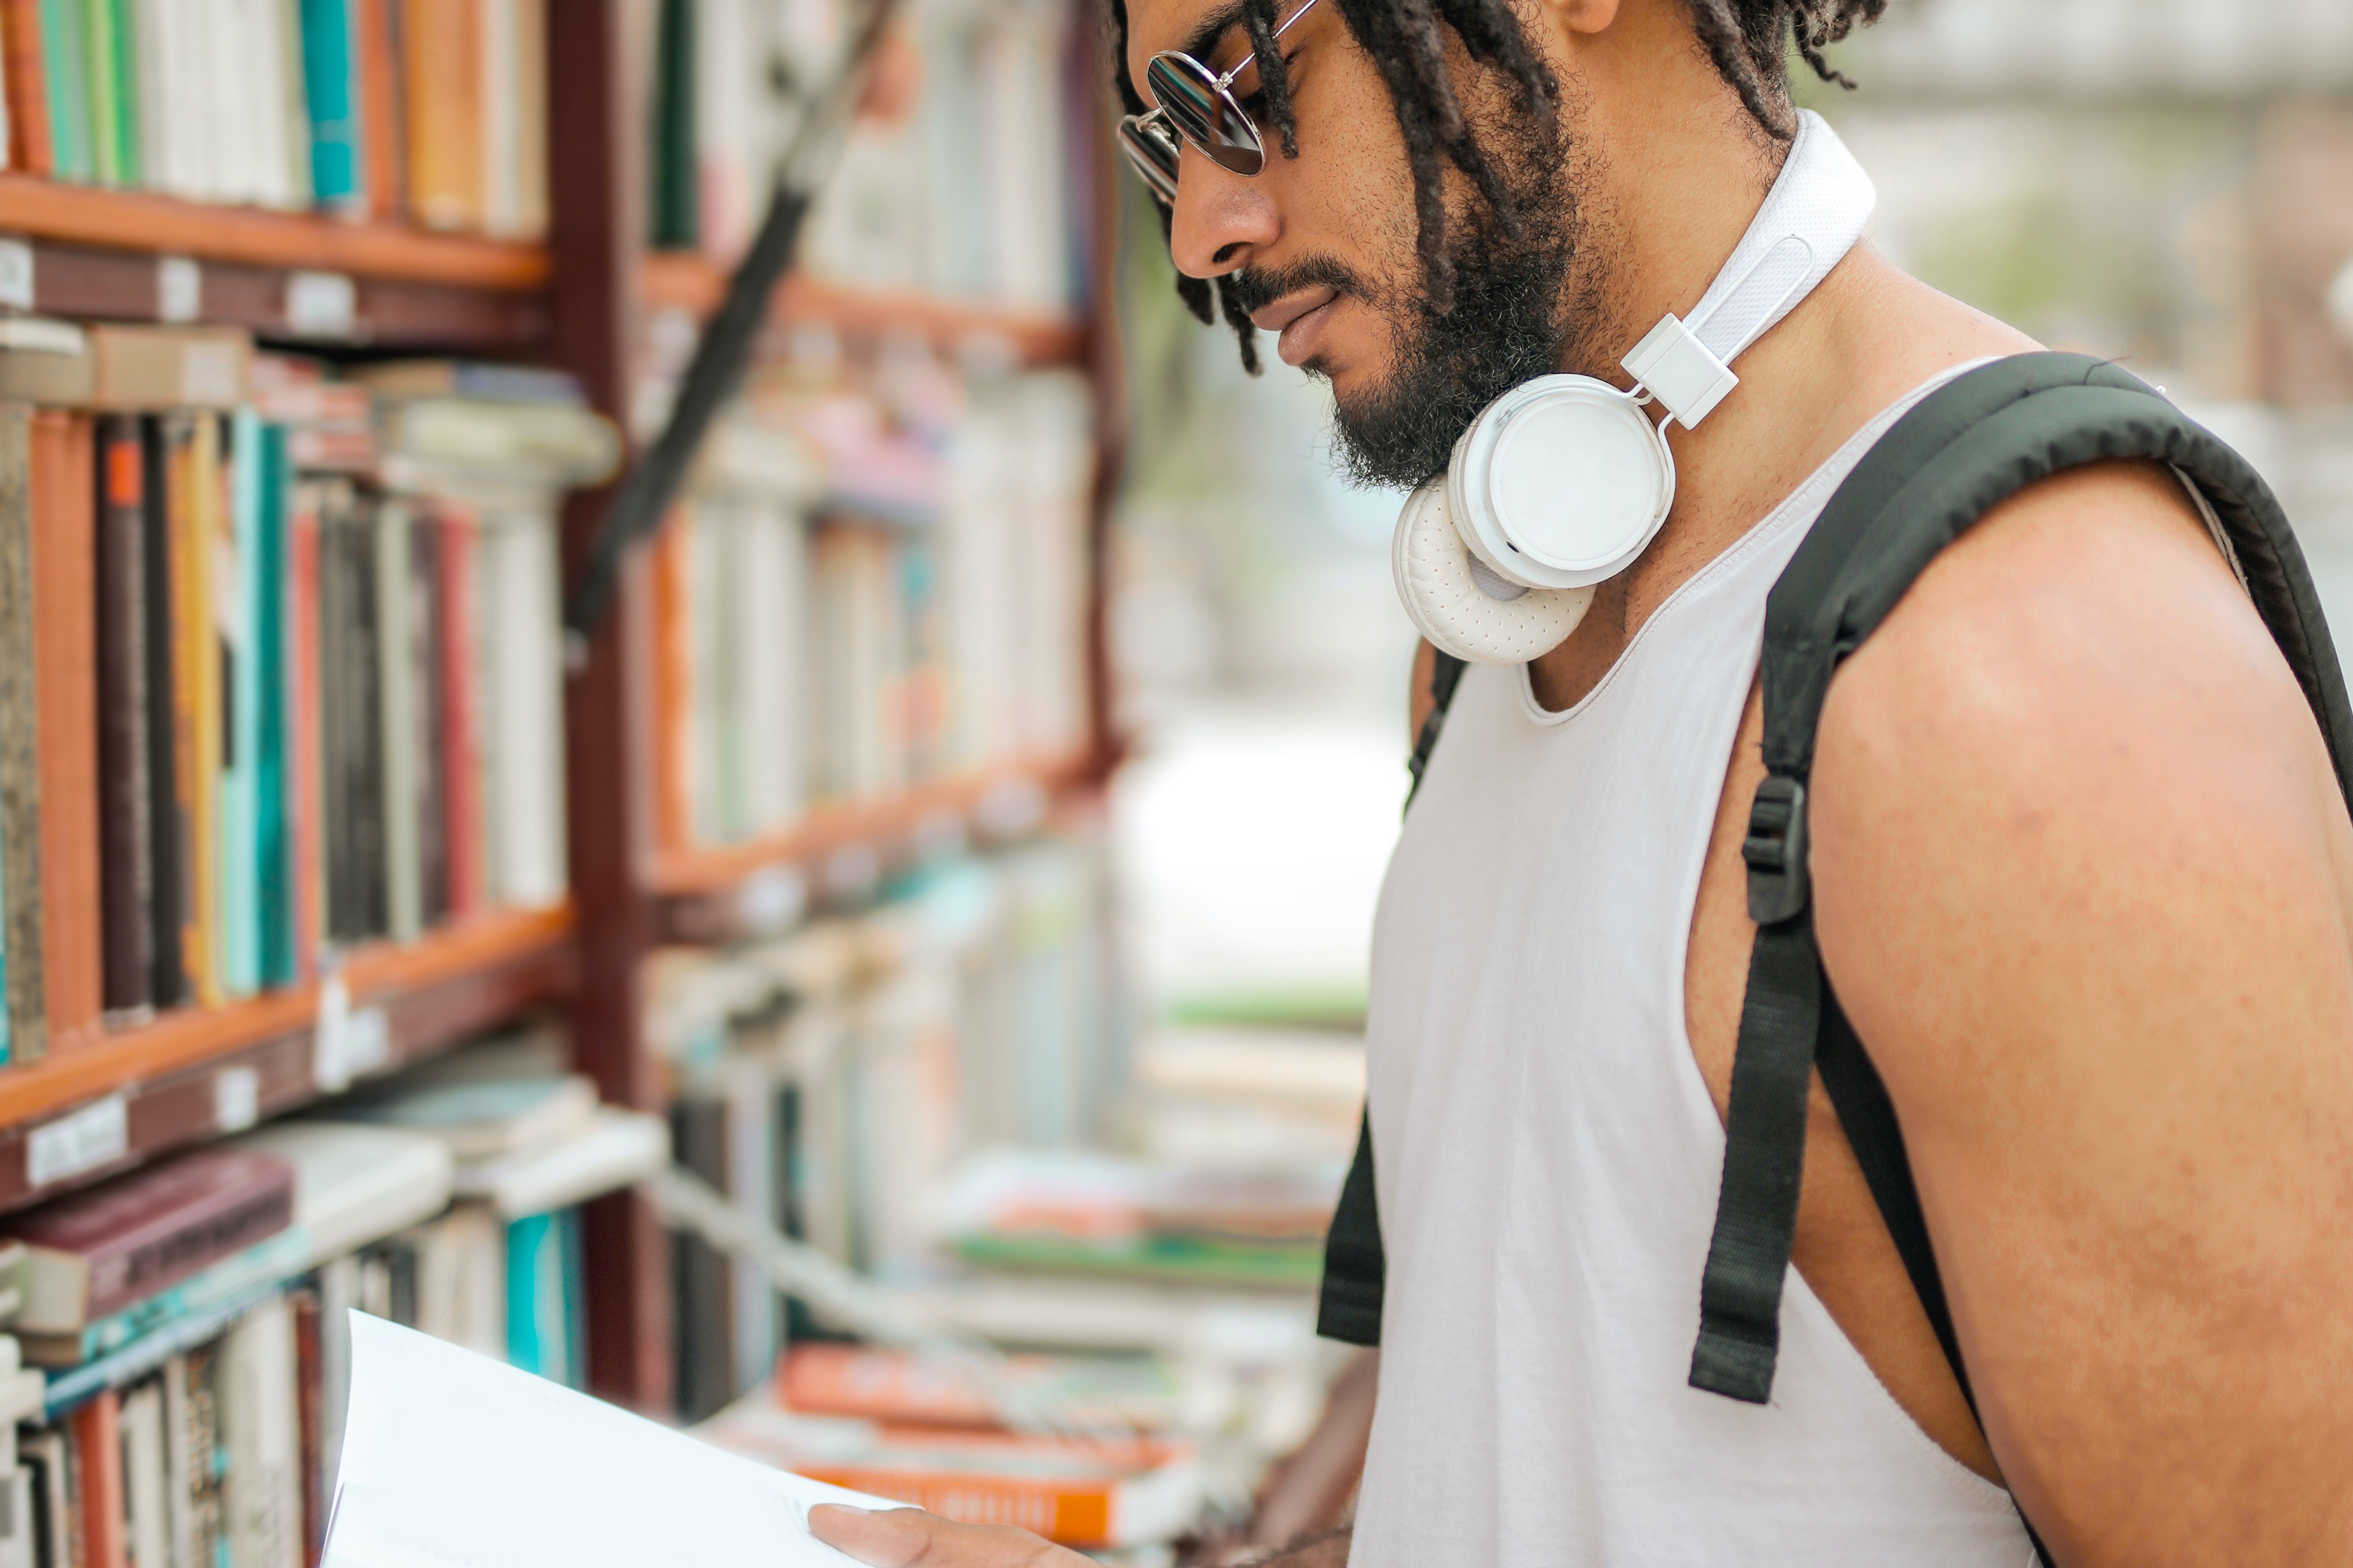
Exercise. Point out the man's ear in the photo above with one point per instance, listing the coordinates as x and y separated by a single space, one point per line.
1584 15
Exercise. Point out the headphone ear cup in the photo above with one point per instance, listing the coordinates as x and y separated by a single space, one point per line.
1432 566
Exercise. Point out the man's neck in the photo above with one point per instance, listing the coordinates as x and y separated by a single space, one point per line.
1867 335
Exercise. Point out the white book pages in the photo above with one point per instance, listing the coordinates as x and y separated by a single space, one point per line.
453 1461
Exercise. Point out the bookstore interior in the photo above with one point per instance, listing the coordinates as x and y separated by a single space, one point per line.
719 1009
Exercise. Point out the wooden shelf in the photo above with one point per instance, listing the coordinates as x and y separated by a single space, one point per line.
168 1074
97 255
712 893
684 280
166 226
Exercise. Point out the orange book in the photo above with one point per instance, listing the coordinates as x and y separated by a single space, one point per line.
29 87
384 131
444 79
65 633
673 640
96 1431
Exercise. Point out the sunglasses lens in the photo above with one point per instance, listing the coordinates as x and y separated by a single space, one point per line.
1152 150
1210 119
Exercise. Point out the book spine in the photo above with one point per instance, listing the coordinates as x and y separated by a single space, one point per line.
65 610
236 613
331 83
147 1522
27 87
461 772
127 840
269 598
377 64
101 91
67 77
21 885
1073 1512
305 811
96 1431
311 1413
397 729
428 728
261 1430
444 89
196 535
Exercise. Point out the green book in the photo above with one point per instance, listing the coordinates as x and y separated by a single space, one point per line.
20 775
123 53
64 67
676 212
104 91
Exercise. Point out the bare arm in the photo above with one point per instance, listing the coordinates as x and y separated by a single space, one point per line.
2083 879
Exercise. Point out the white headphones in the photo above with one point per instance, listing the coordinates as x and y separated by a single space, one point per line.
1565 480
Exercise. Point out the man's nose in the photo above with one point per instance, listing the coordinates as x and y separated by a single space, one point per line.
1222 219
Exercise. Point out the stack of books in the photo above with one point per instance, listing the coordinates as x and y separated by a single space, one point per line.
879 1421
189 1321
288 672
430 110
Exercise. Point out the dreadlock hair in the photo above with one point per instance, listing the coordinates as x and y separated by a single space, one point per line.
1749 41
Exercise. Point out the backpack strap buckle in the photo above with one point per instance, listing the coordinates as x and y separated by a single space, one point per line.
1775 851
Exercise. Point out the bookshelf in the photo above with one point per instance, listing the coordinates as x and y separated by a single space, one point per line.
582 301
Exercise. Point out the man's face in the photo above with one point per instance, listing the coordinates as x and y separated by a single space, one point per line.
1323 245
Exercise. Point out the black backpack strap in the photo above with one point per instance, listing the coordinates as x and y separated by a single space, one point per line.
1355 1269
1963 451
1445 675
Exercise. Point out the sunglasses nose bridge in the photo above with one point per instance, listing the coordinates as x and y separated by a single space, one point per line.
1194 100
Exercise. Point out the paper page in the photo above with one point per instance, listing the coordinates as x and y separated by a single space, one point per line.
453 1460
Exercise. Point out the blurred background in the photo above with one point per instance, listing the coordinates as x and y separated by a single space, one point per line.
890 998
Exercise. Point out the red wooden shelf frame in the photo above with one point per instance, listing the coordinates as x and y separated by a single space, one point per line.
167 225
706 870
433 992
687 281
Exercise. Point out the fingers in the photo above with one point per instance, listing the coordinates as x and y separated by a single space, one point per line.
909 1538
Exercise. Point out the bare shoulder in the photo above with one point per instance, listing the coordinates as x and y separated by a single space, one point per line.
2080 669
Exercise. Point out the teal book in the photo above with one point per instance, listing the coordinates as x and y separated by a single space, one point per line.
273 773
238 859
65 68
546 1328
331 84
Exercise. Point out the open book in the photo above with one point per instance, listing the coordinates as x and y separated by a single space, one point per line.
453 1460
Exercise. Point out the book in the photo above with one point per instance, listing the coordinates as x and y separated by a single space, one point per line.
238 595
260 1424
146 1485
20 1545
278 920
126 841
193 502
44 362
94 1454
64 77
191 1451
538 1473
353 1186
384 133
95 1252
21 883
702 1279
476 380
331 77
875 1383
442 46
28 90
1092 1493
169 774
62 468
56 1527
477 1122
546 1291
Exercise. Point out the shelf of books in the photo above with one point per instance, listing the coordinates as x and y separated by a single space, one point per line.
359 951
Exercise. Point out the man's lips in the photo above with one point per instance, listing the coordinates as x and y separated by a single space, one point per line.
1298 316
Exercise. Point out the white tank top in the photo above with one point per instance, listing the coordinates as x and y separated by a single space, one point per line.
1547 1156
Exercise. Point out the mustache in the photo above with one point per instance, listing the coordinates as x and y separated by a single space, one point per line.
1254 287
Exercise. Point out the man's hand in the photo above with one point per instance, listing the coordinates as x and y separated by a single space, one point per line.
909 1538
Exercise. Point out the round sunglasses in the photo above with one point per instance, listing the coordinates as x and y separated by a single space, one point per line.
1199 104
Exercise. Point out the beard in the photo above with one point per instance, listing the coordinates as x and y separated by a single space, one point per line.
1515 315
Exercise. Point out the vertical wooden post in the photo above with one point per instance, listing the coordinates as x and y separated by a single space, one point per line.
597 74
1097 182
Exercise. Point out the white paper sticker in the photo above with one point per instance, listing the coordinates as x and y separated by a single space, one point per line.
179 289
237 1099
322 304
367 1043
95 1136
328 1070
16 274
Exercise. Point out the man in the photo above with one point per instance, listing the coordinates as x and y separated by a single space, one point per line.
2083 882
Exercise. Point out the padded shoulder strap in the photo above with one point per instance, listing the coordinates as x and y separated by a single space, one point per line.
1962 451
